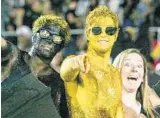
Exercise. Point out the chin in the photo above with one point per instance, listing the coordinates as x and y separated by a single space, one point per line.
102 50
46 55
131 90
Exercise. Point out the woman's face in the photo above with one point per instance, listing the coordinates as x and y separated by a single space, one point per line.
132 72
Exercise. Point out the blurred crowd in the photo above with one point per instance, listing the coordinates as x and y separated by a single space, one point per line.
136 19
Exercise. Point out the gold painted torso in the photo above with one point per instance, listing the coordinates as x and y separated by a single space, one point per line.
96 94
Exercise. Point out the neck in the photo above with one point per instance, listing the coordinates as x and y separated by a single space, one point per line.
45 60
129 99
98 57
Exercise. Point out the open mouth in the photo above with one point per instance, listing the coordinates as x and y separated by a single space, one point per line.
132 78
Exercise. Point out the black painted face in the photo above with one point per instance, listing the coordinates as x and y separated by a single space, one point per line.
51 41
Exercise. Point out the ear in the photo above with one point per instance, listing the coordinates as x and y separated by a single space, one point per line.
141 81
116 35
34 37
87 33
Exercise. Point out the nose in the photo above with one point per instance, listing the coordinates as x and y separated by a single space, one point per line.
103 33
134 69
49 40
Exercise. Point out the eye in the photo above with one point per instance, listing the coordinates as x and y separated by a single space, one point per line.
111 30
57 39
140 66
96 30
44 34
127 64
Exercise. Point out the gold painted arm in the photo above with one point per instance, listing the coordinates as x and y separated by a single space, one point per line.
69 69
72 66
120 109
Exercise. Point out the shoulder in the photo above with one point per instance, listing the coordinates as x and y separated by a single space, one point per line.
71 56
129 112
68 58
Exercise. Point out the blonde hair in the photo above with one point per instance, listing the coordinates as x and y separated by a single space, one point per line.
142 92
55 20
100 11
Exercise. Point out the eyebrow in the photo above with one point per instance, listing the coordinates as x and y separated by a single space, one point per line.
130 59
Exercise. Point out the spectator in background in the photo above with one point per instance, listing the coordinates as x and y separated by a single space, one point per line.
114 5
81 8
74 23
156 21
32 10
71 17
12 19
47 7
128 6
93 4
141 12
10 27
24 34
57 6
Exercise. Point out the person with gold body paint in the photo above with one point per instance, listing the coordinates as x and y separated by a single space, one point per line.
93 86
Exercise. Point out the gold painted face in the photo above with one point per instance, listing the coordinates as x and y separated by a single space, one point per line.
102 34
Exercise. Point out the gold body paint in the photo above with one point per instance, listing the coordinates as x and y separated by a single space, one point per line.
96 93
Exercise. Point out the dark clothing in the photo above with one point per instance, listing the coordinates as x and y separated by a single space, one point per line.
156 88
53 80
154 82
26 98
12 39
23 95
143 111
157 109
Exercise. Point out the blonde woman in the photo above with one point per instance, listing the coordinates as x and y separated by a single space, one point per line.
136 94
